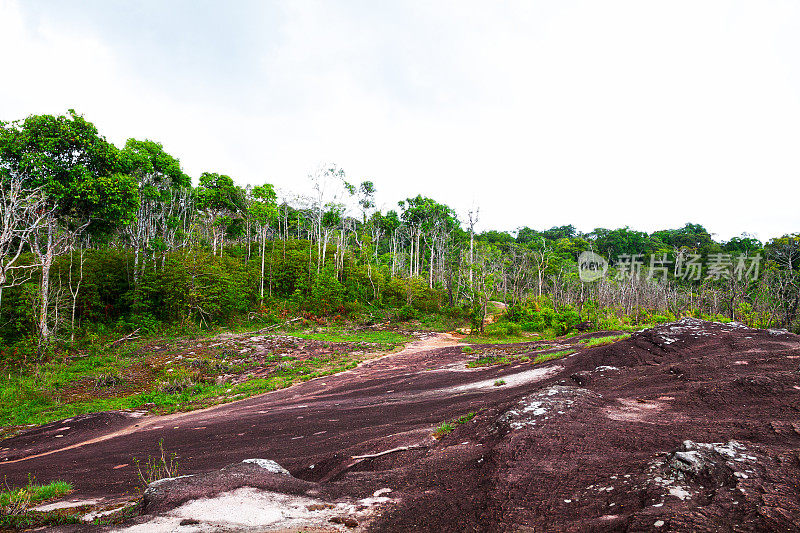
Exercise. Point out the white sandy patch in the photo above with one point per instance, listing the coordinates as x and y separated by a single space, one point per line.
512 380
247 509
629 410
65 505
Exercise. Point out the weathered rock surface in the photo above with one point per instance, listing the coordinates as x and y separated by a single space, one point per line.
691 426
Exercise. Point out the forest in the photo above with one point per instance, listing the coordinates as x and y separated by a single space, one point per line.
99 241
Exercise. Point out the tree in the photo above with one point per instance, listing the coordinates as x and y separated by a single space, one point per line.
331 190
263 209
366 198
784 253
22 213
78 173
160 181
431 221
219 200
472 218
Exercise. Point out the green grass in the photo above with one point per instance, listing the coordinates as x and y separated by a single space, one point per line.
36 395
505 359
495 337
35 493
34 519
15 505
551 356
445 428
384 338
35 408
600 341
33 399
499 383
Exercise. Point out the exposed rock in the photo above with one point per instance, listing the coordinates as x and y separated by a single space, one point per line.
705 463
345 521
265 474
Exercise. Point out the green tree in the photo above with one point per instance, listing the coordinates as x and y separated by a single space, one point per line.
219 200
160 180
79 174
263 209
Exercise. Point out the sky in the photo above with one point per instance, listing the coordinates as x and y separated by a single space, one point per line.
540 114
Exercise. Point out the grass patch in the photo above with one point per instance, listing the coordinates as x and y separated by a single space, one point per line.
384 338
34 399
488 338
14 505
488 360
499 383
33 493
35 519
601 341
551 356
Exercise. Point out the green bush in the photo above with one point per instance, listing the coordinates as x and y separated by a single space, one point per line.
406 313
539 315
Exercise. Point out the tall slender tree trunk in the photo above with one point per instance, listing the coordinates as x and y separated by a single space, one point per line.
75 292
411 259
263 246
271 262
430 269
47 262
471 248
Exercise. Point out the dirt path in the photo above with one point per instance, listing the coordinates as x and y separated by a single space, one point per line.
498 311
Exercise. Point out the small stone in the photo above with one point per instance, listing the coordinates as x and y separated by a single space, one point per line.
658 523
319 506
189 522
346 521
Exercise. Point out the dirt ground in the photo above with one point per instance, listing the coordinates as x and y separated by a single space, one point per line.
691 426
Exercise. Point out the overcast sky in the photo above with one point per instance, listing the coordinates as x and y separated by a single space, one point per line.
596 113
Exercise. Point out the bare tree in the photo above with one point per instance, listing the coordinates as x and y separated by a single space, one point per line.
75 285
472 219
22 213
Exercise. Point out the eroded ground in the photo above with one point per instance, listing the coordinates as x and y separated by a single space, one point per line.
692 426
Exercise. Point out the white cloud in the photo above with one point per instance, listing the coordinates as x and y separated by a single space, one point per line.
591 113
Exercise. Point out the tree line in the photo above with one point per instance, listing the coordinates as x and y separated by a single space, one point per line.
95 236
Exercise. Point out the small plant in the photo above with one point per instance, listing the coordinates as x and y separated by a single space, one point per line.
467 349
176 385
16 502
226 353
107 380
444 429
499 383
159 467
463 419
